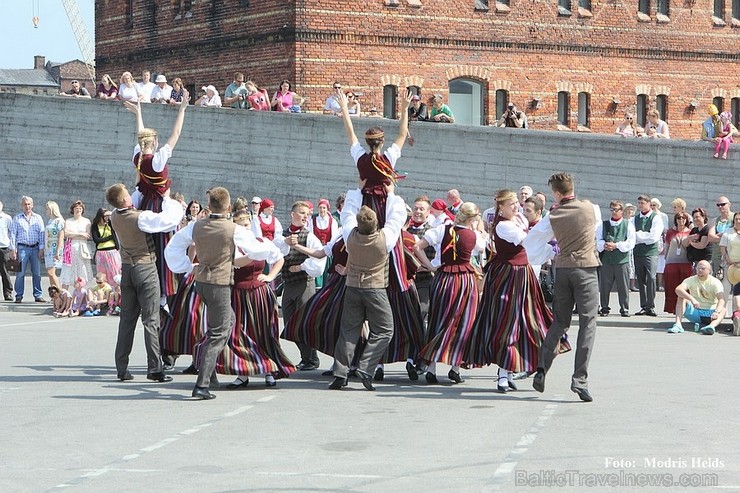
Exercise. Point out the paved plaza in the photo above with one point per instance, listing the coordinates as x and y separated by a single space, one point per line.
663 414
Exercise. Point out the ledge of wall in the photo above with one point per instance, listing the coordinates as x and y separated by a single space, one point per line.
63 149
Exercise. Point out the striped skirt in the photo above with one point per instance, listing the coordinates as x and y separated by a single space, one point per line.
187 323
318 322
167 279
512 320
453 304
109 263
408 330
253 348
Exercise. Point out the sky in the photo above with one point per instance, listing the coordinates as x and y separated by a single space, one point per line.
53 38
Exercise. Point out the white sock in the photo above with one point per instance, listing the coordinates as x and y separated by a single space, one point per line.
503 377
432 368
456 369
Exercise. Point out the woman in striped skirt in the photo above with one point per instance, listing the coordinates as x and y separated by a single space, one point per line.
513 318
453 296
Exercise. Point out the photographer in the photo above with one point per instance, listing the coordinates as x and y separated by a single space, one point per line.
236 93
513 118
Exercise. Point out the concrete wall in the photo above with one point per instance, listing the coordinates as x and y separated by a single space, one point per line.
63 149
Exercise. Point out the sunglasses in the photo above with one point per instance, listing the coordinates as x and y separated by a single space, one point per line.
337 87
722 204
615 209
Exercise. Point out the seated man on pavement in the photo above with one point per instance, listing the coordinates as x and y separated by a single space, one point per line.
701 300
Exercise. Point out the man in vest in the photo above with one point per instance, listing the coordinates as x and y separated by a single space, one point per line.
572 223
140 292
216 239
615 237
648 230
366 297
298 273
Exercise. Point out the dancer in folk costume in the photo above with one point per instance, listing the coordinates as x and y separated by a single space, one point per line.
324 227
377 170
509 334
266 225
453 296
153 181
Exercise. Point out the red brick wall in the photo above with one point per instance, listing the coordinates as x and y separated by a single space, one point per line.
530 51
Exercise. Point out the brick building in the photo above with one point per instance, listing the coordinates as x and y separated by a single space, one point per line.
570 64
45 78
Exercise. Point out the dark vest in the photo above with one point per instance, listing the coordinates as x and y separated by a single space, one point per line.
615 234
295 258
644 224
137 247
214 242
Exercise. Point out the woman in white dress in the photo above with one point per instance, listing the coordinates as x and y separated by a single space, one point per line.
77 255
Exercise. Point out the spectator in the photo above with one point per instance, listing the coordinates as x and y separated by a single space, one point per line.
697 243
648 232
655 205
128 90
679 205
615 239
27 246
441 113
178 92
725 135
61 301
235 94
525 191
543 198
5 222
722 223
192 210
99 295
711 127
257 99
332 106
629 213
77 91
210 99
54 242
107 89
729 247
162 92
656 128
77 256
107 258
353 105
286 100
339 204
453 201
256 201
627 127
146 87
513 118
678 267
701 301
418 110
80 305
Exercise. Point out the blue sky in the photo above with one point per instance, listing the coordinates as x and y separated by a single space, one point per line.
53 38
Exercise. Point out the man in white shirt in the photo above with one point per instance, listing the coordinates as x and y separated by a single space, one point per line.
162 91
648 230
332 106
146 87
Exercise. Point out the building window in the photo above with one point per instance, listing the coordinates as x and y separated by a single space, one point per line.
182 8
502 100
736 9
390 94
466 101
563 108
415 90
664 7
661 104
642 106
481 5
719 9
585 4
643 7
564 7
129 13
719 102
584 109
735 108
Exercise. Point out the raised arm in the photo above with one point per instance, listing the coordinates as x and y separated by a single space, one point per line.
342 98
177 128
404 126
135 108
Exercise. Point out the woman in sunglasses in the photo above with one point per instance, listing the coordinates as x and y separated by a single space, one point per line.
627 127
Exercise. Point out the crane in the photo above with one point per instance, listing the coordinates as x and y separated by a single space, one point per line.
83 38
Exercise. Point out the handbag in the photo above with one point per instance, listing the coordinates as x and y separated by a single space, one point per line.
13 265
85 251
67 253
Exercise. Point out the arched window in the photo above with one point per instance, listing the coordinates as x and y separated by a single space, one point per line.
661 104
584 109
564 108
415 90
390 94
502 99
466 101
735 109
719 102
642 107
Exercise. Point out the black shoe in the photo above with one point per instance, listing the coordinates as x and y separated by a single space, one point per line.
8 296
583 394
379 375
202 394
167 366
641 312
624 313
650 312
352 373
39 300
538 382
125 376
455 376
604 312
307 366
18 300
502 388
431 377
190 370
244 382
366 382
159 377
327 373
338 383
411 370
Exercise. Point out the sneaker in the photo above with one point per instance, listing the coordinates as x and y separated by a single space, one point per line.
117 311
96 313
87 313
675 329
707 330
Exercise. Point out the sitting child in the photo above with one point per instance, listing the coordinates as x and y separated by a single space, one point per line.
79 299
99 296
61 300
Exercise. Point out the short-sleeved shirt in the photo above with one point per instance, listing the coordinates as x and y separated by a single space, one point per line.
332 105
392 153
731 240
233 90
442 109
705 292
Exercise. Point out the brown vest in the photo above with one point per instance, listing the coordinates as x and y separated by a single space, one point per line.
214 245
367 263
573 223
137 247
